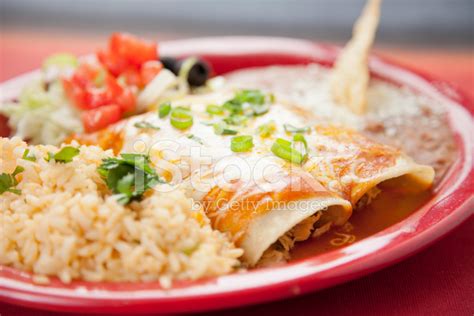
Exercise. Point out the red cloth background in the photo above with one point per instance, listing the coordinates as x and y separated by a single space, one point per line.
437 281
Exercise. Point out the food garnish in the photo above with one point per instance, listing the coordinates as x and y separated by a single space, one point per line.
214 109
8 182
221 128
129 176
164 109
300 138
27 156
293 129
247 102
146 125
241 143
350 77
244 104
283 149
235 119
60 60
65 155
181 118
195 138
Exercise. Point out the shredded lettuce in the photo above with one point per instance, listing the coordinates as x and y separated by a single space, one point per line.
61 60
42 116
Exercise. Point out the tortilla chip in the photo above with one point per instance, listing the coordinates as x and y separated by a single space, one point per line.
351 76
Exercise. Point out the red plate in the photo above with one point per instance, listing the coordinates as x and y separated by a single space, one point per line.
452 203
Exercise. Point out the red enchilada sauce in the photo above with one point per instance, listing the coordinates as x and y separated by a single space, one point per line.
388 208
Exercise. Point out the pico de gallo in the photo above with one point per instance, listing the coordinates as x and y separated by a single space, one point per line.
87 94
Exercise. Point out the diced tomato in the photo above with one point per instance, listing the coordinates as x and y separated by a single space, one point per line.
149 71
75 93
112 61
96 97
97 119
126 101
91 87
135 50
132 76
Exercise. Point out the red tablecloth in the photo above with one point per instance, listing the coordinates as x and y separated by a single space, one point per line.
437 281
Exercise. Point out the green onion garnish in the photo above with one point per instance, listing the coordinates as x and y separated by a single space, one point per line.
146 125
195 138
181 118
249 96
260 109
236 119
27 156
164 109
233 107
8 182
241 143
267 129
282 148
214 109
222 128
302 139
293 129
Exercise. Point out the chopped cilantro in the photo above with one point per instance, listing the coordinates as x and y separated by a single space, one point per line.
27 156
8 182
65 155
129 176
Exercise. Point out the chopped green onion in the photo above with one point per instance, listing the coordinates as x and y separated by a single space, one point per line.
236 119
49 157
195 138
302 139
250 96
293 129
233 107
8 182
181 118
164 110
241 143
267 129
65 155
209 123
271 98
260 109
282 148
146 125
221 128
61 60
214 109
27 156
